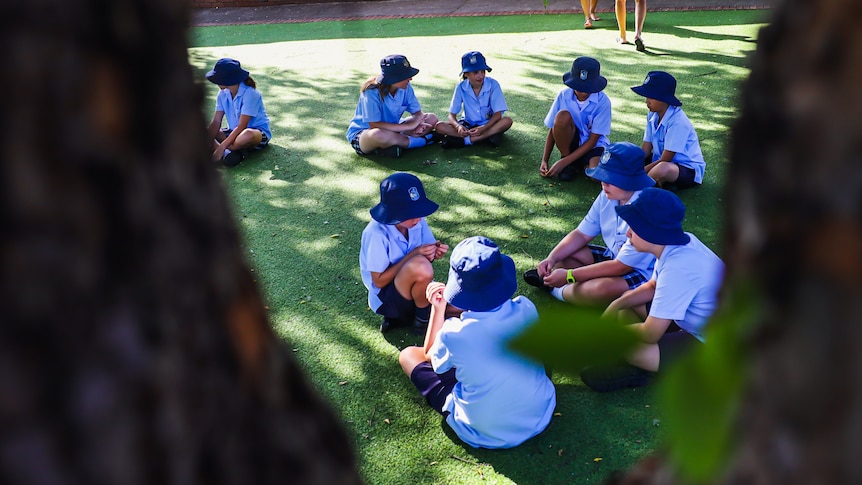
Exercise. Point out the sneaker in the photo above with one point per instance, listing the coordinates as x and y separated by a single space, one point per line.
494 140
385 325
568 173
392 152
452 142
639 45
606 378
233 158
532 278
434 137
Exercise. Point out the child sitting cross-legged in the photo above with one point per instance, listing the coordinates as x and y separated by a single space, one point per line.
490 396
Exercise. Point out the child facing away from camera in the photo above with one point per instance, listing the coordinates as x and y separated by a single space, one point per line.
241 103
670 310
396 253
482 102
582 273
490 396
674 158
377 127
579 122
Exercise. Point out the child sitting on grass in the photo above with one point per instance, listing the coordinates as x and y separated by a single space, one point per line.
674 158
396 253
490 396
483 104
673 307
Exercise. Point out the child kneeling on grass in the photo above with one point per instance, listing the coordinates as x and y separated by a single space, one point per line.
490 396
396 253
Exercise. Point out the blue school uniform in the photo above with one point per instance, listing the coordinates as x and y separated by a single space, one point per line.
382 246
248 101
603 219
593 117
501 398
675 132
478 109
688 278
372 109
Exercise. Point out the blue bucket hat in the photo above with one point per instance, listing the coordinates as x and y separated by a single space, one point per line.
481 277
585 76
622 165
402 197
474 61
659 85
227 72
395 68
656 216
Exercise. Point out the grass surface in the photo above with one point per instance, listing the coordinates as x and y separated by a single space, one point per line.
303 202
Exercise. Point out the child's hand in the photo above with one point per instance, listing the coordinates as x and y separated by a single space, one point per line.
555 169
434 293
545 267
462 132
440 250
556 279
427 250
543 169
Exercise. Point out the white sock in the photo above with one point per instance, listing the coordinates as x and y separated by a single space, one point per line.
467 141
558 293
226 152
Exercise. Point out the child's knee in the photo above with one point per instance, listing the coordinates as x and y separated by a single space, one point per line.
563 118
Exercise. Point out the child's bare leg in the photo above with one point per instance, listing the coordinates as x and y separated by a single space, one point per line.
374 138
640 16
446 128
413 278
598 291
249 138
410 357
491 129
645 356
664 173
564 131
620 9
585 6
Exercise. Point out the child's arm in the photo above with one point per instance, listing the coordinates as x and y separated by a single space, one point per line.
591 271
652 329
215 124
546 155
568 246
641 295
579 152
241 125
478 130
380 280
434 293
666 156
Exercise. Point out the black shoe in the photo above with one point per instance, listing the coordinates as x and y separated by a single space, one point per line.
385 325
434 137
392 152
233 158
419 328
494 140
568 173
608 378
532 278
639 45
452 142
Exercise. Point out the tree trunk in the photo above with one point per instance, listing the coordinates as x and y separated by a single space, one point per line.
134 344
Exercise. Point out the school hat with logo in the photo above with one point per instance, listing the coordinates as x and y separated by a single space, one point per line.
474 61
585 76
395 68
481 277
622 165
227 72
656 217
402 197
659 85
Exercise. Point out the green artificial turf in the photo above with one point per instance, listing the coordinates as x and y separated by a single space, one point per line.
302 204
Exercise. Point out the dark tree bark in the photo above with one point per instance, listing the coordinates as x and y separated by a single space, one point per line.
794 230
134 345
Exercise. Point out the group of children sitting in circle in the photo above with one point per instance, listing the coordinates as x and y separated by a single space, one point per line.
651 275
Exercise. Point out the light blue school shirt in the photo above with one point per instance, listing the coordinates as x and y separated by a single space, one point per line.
675 133
478 109
382 246
688 278
602 219
501 399
372 109
248 101
594 117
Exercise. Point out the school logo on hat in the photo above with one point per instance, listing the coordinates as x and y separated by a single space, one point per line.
474 61
606 156
414 194
584 74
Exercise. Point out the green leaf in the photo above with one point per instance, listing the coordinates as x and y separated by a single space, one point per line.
569 338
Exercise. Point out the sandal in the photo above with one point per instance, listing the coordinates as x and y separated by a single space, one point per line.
588 24
594 18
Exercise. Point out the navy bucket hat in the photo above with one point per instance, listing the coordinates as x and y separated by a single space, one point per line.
659 85
227 72
395 68
402 197
481 277
474 61
622 165
656 217
585 76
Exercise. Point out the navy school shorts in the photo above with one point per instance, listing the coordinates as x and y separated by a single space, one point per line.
434 387
633 278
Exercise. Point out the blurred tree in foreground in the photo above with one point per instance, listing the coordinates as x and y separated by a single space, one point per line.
794 237
134 344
